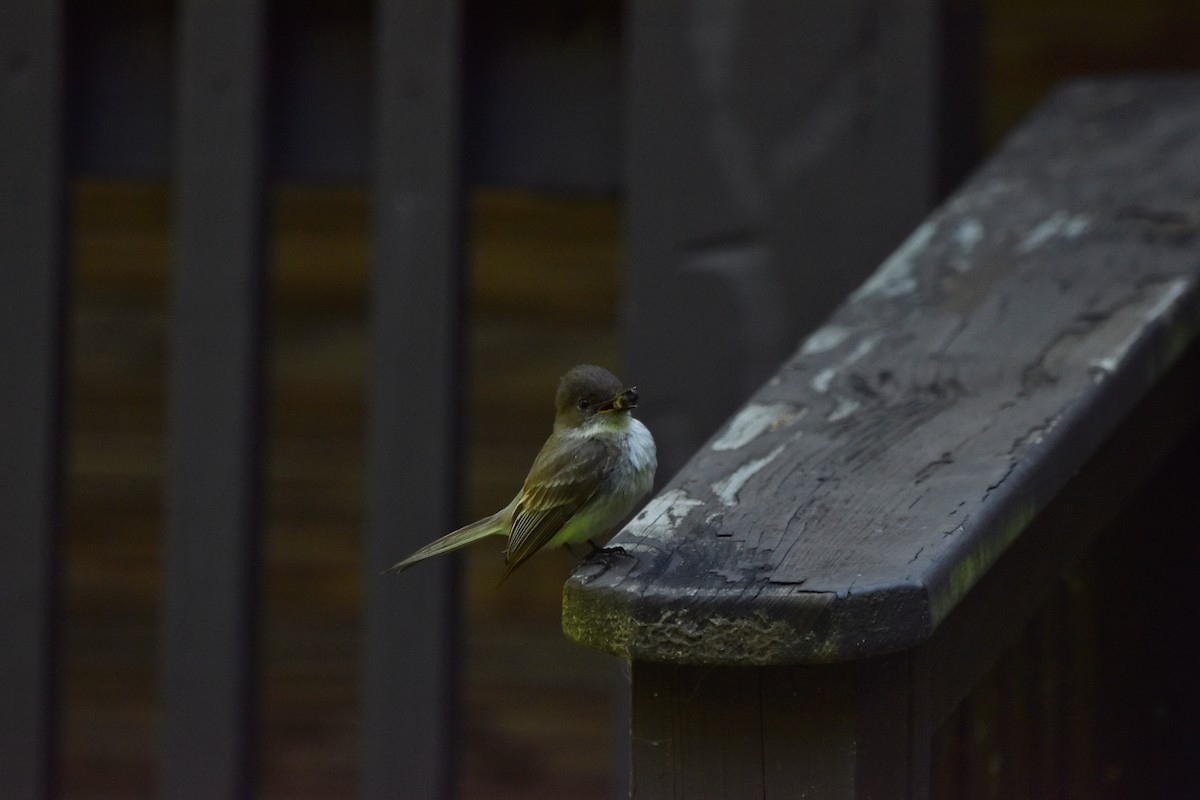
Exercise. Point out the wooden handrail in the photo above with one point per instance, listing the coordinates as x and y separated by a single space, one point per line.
859 497
849 506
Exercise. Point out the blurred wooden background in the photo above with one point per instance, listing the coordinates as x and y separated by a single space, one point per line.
545 282
545 289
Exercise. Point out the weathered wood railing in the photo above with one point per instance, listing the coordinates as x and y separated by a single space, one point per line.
826 580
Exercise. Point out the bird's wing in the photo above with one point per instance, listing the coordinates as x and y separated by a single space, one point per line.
542 509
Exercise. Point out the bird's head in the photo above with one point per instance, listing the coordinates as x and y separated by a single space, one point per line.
587 391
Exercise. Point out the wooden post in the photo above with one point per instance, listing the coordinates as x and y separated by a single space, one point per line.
416 286
215 405
32 306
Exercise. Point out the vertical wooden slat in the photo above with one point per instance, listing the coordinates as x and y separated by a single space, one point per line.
1050 631
698 732
1020 727
215 404
1082 700
841 731
621 701
32 300
894 737
946 773
414 399
808 731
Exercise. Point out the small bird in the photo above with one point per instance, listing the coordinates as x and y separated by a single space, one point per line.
597 464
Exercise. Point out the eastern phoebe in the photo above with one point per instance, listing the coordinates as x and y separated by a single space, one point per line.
596 465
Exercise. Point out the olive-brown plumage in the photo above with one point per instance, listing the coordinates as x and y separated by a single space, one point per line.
597 464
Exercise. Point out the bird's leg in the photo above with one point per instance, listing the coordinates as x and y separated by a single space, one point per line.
604 555
605 552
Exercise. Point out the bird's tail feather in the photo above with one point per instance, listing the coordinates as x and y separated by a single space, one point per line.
488 526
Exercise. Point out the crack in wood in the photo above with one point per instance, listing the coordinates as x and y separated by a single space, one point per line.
1012 465
924 472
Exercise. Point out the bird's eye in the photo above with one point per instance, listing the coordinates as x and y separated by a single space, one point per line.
583 404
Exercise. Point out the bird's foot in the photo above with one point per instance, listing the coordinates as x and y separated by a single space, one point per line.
605 555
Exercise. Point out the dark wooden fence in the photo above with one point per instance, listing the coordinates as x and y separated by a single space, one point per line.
215 394
32 304
856 588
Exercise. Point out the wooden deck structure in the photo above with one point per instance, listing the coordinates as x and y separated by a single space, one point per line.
809 600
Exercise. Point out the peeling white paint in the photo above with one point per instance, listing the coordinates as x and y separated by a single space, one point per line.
1042 232
968 234
822 379
824 340
862 350
663 514
753 420
844 408
1060 223
1076 226
727 488
894 277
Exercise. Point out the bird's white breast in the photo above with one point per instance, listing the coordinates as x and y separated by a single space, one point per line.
633 439
643 455
631 477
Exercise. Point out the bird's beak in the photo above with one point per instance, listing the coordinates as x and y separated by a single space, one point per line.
624 399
